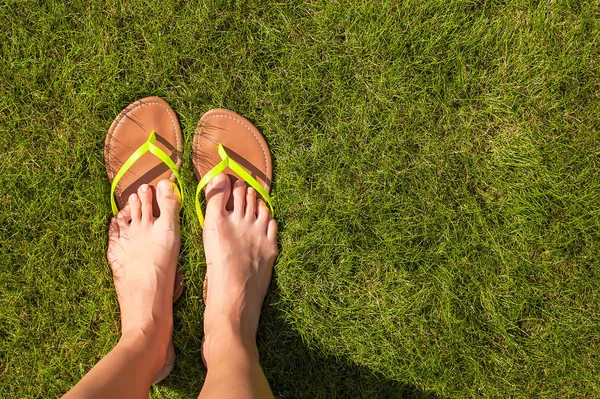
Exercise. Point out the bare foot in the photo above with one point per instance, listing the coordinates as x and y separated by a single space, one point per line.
240 248
142 252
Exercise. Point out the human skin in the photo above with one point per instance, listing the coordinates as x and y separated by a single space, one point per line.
240 247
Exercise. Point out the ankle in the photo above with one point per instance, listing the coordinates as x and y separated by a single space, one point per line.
151 320
157 330
151 345
226 337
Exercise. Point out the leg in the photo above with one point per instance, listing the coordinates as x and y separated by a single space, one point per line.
240 247
142 252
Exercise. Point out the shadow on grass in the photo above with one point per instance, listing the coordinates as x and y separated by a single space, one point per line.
293 369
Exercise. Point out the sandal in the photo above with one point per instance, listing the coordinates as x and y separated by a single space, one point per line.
227 142
144 146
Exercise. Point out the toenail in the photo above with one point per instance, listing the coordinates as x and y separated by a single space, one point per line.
133 198
166 189
251 190
239 183
220 183
145 187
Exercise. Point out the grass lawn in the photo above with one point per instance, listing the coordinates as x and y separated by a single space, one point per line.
437 186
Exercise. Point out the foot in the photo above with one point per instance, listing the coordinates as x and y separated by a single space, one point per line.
240 247
142 252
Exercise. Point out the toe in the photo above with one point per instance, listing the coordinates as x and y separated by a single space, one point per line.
136 208
113 232
124 217
145 195
239 198
217 194
251 203
272 231
263 211
113 237
167 196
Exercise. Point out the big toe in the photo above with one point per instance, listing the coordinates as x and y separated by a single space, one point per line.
168 199
113 239
217 194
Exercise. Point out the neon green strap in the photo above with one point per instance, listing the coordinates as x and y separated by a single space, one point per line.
220 167
144 148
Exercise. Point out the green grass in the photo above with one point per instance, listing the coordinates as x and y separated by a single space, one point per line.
437 186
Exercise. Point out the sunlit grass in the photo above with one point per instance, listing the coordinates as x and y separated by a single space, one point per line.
436 184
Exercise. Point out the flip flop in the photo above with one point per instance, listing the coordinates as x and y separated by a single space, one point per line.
228 142
144 146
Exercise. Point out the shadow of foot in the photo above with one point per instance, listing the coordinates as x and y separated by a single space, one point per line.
296 371
293 369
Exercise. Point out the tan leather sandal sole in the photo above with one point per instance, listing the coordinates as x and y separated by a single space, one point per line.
243 143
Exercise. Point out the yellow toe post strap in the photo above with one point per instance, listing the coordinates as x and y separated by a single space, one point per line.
220 167
148 146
